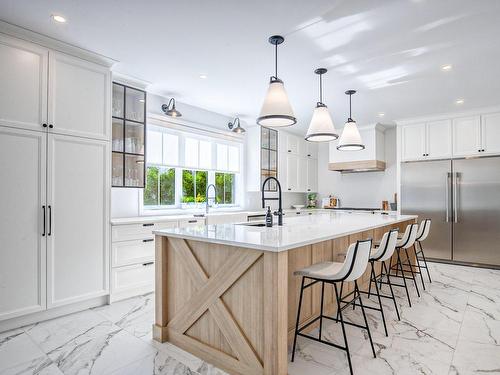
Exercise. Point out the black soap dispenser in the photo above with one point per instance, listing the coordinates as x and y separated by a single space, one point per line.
269 217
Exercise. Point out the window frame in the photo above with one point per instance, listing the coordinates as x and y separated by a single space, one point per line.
238 176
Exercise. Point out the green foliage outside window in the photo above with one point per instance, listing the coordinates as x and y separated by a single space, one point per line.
160 187
194 184
224 182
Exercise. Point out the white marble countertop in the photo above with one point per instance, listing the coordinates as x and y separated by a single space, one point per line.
296 230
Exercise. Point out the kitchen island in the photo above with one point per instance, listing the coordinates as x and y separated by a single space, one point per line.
226 293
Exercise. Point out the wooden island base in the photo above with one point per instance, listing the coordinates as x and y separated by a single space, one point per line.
236 307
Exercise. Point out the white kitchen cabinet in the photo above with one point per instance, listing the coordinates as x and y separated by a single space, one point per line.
312 175
290 143
490 133
135 278
302 174
79 97
466 136
429 140
311 150
292 177
191 222
125 253
438 139
78 223
22 237
413 142
23 83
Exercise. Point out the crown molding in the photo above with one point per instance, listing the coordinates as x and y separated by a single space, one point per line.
54 44
130 81
449 115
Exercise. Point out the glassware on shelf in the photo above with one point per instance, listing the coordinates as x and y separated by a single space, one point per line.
118 95
134 104
134 138
117 167
134 170
117 139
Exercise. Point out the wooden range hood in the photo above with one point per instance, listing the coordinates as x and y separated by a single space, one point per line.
371 159
357 166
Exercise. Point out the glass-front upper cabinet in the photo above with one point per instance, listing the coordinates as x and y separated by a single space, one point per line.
129 136
269 156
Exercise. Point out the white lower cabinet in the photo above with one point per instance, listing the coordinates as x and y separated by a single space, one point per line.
22 239
132 258
127 280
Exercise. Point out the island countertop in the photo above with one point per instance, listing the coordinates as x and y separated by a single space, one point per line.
295 232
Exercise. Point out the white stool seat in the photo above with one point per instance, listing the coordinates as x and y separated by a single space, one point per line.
323 270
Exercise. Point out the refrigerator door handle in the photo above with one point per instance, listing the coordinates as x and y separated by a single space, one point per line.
448 189
455 197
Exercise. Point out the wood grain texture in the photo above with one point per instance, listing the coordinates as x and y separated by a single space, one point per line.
236 307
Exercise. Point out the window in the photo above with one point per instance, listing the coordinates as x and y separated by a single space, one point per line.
160 187
224 182
180 165
194 185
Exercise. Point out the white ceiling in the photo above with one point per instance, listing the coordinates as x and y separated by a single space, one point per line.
390 51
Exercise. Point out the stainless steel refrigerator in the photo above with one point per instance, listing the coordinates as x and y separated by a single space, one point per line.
462 198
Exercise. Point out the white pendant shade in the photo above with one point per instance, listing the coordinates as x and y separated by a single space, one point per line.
276 110
350 140
321 128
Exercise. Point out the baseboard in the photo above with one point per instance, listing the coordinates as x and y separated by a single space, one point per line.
466 264
132 292
56 312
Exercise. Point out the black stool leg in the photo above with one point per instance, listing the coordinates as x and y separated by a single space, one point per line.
379 299
400 264
364 316
298 318
321 310
418 265
392 292
339 312
341 288
411 271
425 262
371 279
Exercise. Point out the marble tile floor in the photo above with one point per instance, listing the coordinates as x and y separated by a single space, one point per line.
453 329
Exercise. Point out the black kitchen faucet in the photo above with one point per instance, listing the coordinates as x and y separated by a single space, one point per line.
264 199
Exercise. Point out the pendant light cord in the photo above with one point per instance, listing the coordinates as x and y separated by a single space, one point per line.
321 88
276 60
350 107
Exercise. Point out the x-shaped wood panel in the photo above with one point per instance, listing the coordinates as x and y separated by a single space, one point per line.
208 297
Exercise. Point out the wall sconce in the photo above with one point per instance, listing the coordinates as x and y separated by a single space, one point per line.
235 126
170 110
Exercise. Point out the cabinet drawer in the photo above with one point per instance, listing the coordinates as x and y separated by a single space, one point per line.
138 231
127 277
191 222
132 252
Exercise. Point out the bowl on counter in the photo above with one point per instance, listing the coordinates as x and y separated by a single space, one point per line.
298 206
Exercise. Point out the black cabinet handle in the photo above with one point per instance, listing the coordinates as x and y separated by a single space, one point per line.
289 150
148 263
44 125
192 221
309 155
308 189
51 126
43 208
148 225
289 189
50 221
148 240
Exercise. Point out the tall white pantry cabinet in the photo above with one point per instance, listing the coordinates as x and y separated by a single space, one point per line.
55 178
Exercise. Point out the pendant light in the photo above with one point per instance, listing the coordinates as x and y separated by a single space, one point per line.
350 140
321 128
170 110
276 110
235 126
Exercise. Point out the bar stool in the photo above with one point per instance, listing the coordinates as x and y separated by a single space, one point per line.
406 242
352 269
381 253
423 232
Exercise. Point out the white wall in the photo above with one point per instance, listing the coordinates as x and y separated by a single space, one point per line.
366 189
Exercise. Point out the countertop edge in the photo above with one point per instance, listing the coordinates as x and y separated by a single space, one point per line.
277 249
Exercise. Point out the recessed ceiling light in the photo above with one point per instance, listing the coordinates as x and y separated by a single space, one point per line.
447 67
459 101
58 18
203 76
381 114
